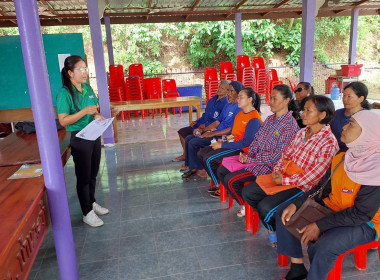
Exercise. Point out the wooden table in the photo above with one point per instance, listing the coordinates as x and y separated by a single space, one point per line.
24 211
191 101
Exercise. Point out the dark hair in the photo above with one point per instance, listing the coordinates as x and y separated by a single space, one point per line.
308 86
238 86
287 92
323 104
360 90
69 64
256 102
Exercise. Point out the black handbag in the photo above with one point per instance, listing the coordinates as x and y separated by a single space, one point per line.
310 211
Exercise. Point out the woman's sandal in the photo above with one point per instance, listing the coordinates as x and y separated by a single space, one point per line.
187 174
195 178
273 239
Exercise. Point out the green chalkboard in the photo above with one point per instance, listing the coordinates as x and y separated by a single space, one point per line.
14 91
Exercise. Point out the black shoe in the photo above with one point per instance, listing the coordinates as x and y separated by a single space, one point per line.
212 189
297 272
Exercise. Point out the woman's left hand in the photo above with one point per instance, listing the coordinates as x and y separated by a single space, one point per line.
310 232
277 177
216 145
99 117
207 134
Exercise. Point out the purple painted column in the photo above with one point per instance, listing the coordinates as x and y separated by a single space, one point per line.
238 33
107 22
100 67
307 40
353 35
43 112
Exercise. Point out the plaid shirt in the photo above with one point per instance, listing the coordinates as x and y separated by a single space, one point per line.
270 141
314 156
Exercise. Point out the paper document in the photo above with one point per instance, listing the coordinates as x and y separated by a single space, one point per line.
94 129
27 171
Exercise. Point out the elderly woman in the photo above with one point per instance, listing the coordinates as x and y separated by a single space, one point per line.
354 100
311 151
303 90
353 194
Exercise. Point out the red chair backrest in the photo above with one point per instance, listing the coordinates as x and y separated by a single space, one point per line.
136 70
153 88
242 61
133 89
226 67
116 94
258 63
273 77
210 74
116 76
169 88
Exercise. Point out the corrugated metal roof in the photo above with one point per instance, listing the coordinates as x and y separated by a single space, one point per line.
74 12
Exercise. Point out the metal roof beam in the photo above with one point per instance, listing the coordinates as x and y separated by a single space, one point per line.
193 7
51 10
237 7
149 7
6 15
353 6
277 6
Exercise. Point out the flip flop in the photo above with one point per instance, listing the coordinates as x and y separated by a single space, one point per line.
179 158
187 174
273 239
195 178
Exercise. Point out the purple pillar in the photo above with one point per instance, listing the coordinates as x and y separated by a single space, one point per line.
307 40
43 112
353 35
107 22
100 67
238 33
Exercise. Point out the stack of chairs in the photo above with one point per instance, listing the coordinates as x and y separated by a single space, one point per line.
226 71
242 61
133 91
116 86
169 90
211 82
153 90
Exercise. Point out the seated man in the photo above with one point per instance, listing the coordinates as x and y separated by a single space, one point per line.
203 137
214 106
353 195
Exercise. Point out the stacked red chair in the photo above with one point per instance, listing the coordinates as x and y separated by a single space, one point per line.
136 69
242 61
169 89
134 92
230 77
153 90
225 68
116 86
262 82
257 63
249 77
273 81
211 82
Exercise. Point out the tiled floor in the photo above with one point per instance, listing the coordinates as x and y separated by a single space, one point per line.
160 227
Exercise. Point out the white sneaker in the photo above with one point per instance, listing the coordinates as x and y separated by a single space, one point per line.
241 212
92 219
99 210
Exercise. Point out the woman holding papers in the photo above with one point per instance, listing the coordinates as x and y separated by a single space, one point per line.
77 106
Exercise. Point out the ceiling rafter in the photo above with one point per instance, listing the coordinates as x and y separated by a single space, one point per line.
193 7
51 10
277 6
353 6
7 15
236 8
149 7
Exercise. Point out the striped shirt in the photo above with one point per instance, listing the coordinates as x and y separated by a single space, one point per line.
270 141
314 156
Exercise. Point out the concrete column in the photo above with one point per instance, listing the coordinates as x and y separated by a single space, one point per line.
42 106
238 33
100 67
353 36
307 40
107 22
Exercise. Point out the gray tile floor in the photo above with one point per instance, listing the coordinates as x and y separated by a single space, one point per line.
160 227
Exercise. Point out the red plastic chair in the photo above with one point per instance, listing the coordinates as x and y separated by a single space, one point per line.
225 67
116 78
133 91
360 256
230 77
136 70
153 88
211 82
292 85
258 63
117 94
169 89
262 83
249 77
242 61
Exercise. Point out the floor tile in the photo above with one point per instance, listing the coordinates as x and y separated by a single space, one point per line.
168 223
137 245
99 270
172 240
178 261
212 256
138 267
100 250
136 227
226 273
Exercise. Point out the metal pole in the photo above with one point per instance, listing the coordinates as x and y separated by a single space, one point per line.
307 40
353 35
238 34
107 22
100 67
43 112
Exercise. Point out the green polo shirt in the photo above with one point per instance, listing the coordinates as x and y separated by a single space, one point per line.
83 99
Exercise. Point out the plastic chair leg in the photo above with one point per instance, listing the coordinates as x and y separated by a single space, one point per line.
335 273
230 202
256 221
180 111
212 183
282 260
361 258
223 193
173 109
166 112
129 115
248 217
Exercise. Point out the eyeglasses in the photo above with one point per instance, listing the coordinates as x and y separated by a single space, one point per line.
83 69
298 90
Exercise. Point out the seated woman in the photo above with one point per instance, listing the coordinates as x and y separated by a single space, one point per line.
202 137
273 137
311 150
245 126
303 90
353 194
354 99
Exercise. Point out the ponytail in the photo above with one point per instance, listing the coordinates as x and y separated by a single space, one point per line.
256 102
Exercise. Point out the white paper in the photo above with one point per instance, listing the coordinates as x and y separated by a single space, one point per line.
94 129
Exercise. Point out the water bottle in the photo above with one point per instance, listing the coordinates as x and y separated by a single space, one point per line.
335 92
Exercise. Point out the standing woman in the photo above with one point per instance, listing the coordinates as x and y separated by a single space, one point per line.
77 106
354 100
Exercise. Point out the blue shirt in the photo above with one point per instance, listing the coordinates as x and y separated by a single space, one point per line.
212 111
227 116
